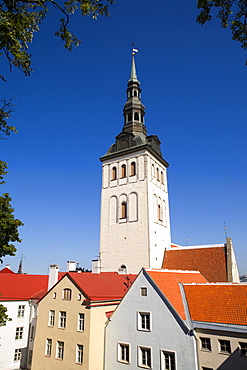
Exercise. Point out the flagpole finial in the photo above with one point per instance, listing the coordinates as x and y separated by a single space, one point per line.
134 51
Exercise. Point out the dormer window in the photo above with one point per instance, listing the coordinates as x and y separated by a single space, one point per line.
123 170
114 173
136 117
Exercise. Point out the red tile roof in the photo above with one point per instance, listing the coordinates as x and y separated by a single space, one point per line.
219 303
16 287
6 270
168 282
210 261
103 286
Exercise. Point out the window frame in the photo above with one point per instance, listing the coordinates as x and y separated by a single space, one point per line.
123 171
205 344
17 354
147 361
225 344
21 311
19 332
164 353
124 210
60 350
79 354
51 318
62 319
133 168
144 321
79 322
243 351
113 173
144 291
123 352
67 294
48 347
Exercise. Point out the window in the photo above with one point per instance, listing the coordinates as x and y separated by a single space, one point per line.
54 295
132 169
162 177
60 350
62 319
79 354
67 294
123 170
144 292
168 360
135 93
124 210
48 347
21 310
51 318
144 358
136 116
225 346
79 297
124 353
17 355
207 368
243 349
159 213
19 333
129 117
144 322
114 173
205 344
80 322
157 174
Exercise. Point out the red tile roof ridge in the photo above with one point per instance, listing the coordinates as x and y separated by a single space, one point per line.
174 270
179 247
216 283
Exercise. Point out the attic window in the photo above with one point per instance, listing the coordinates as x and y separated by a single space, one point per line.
67 294
144 292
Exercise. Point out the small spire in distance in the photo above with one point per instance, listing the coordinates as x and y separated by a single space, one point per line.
133 75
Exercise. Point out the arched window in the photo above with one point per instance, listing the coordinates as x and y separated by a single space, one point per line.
159 213
135 93
133 169
114 173
124 210
67 294
157 174
122 269
136 116
162 177
123 170
129 117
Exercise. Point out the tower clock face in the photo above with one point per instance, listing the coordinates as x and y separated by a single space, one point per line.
123 144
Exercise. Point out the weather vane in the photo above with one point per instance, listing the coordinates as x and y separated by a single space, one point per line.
134 51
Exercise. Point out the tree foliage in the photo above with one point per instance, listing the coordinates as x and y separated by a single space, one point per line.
20 19
232 13
3 316
6 108
8 223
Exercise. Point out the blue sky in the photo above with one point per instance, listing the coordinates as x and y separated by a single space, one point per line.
193 82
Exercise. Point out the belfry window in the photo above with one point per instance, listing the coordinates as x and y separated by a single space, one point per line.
136 116
129 117
133 169
135 93
123 170
124 210
114 173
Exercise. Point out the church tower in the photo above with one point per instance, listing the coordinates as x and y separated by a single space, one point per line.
135 222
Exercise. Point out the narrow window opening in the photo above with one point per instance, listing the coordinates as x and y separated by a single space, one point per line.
123 170
159 213
133 169
157 174
124 210
129 117
135 93
162 177
136 116
114 173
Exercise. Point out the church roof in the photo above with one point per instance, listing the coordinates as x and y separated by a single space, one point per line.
209 260
168 283
6 270
103 286
217 303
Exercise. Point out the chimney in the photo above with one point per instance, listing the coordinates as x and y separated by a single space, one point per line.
7 267
53 276
71 266
96 266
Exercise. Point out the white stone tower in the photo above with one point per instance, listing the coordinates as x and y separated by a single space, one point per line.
135 222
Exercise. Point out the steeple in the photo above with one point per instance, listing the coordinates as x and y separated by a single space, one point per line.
134 131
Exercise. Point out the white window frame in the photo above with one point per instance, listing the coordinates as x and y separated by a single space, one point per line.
145 365
81 320
62 320
60 350
51 318
19 333
48 347
21 311
144 326
79 354
164 352
220 347
17 354
120 358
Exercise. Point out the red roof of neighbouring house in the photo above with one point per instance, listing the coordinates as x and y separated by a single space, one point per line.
168 283
210 261
6 270
217 303
103 286
17 287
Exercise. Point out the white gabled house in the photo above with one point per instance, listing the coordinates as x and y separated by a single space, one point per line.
149 329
